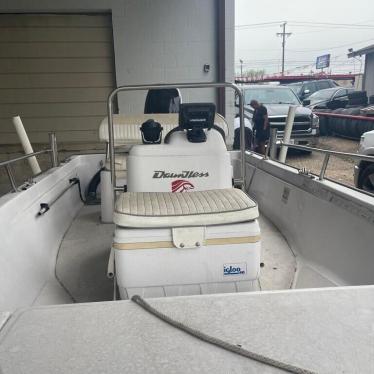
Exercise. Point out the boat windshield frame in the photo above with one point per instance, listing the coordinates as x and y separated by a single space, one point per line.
240 181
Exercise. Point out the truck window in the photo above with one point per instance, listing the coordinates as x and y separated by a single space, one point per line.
309 86
323 84
340 93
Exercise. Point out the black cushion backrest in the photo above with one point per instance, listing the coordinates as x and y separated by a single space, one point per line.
162 101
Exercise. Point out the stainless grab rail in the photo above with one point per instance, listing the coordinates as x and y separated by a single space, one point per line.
327 154
52 150
170 86
8 162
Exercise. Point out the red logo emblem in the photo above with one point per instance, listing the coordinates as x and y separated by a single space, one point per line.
181 185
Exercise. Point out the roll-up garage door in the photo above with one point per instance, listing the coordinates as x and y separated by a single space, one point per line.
56 72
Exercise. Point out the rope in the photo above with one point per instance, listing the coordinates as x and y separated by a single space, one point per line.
218 342
78 182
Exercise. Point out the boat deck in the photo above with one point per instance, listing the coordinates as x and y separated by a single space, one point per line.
323 330
83 257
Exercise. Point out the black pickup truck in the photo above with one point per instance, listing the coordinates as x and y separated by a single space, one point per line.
277 100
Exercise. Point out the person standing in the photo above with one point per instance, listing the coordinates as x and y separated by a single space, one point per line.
261 125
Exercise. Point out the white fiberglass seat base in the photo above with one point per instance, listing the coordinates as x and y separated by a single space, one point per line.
180 165
170 244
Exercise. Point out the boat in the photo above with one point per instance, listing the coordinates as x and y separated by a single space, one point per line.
262 266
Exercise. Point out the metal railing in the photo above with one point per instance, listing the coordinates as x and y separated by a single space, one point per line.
114 93
53 153
327 154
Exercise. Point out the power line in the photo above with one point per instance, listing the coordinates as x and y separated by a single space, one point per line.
303 63
331 24
257 24
307 50
321 27
328 25
328 48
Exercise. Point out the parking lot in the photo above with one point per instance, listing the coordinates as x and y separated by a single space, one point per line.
339 169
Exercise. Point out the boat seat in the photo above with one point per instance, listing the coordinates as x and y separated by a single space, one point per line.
198 208
127 128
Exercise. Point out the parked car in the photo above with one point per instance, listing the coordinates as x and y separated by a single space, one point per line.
307 88
364 170
277 100
323 99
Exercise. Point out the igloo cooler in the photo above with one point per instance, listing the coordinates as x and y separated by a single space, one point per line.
171 244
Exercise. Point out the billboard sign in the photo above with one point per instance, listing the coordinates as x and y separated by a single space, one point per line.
323 61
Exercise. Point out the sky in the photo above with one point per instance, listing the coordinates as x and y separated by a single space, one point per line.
317 27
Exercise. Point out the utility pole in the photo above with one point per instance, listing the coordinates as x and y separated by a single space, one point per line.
241 68
283 34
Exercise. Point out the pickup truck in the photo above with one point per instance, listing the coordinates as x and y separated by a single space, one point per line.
364 170
277 100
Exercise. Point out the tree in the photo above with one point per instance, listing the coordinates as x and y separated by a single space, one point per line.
254 75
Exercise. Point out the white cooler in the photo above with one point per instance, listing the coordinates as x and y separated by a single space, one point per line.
170 244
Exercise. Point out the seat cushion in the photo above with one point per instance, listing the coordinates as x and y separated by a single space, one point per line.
198 208
127 128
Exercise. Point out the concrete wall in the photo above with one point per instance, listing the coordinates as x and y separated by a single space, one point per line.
369 74
155 41
160 44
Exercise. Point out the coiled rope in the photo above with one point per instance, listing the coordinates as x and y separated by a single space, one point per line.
218 342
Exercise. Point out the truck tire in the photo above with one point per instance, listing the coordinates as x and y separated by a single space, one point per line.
352 126
323 125
323 122
359 129
367 179
358 102
369 126
335 124
357 94
365 126
336 104
352 111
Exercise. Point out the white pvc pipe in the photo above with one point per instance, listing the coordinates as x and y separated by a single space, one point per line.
110 268
33 162
287 132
